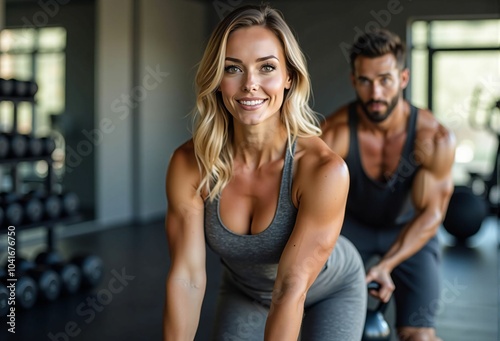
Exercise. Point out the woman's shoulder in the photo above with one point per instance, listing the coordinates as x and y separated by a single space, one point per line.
185 150
318 171
183 159
314 158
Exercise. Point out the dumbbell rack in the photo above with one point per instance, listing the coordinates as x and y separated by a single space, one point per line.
48 182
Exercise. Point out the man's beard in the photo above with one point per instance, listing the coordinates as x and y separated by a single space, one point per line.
378 116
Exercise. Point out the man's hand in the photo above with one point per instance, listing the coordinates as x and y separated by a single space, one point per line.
382 276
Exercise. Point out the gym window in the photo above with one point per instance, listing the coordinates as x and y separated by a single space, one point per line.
35 54
455 72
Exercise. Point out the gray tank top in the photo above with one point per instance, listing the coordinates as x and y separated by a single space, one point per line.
251 261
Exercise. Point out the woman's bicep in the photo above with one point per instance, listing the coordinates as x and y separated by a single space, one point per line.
185 237
318 225
184 217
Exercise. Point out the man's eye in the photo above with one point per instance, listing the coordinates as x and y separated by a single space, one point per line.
385 80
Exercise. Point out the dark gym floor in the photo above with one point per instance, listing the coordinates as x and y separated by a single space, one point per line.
130 298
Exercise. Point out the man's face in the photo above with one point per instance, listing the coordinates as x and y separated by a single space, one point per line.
379 85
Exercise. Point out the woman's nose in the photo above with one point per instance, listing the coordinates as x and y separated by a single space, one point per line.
250 83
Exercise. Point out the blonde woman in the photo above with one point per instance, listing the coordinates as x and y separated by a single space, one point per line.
263 191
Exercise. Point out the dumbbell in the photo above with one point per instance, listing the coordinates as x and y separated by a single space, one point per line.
35 146
70 274
4 146
6 87
13 212
51 203
376 327
33 209
70 203
46 279
49 145
4 295
25 88
26 289
18 144
33 89
91 267
20 88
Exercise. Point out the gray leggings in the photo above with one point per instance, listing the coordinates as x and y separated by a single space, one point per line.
339 313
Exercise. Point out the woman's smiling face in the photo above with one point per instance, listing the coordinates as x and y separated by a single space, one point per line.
255 75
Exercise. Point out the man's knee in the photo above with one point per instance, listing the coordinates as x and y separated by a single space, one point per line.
417 334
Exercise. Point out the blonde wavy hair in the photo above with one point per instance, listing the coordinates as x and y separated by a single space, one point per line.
213 126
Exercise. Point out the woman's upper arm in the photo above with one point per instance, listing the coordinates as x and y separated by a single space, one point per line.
322 195
184 218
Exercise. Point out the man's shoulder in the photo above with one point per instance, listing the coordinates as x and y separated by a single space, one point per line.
335 130
340 112
428 125
435 144
336 120
425 115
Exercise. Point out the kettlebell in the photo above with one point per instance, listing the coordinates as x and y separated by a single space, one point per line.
376 327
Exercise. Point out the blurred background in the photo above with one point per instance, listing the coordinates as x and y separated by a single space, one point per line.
114 89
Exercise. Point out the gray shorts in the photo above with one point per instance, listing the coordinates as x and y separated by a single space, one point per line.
417 279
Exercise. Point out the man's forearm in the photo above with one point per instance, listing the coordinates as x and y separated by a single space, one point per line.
411 239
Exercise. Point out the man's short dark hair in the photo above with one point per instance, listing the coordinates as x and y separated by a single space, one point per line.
377 43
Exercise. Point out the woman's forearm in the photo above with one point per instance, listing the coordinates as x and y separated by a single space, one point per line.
182 309
285 318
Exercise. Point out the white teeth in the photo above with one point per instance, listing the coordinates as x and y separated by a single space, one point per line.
252 102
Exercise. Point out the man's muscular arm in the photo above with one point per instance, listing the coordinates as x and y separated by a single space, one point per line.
431 192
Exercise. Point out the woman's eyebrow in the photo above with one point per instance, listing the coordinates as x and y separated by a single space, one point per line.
236 60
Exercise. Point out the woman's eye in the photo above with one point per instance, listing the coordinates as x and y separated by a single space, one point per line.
268 68
232 69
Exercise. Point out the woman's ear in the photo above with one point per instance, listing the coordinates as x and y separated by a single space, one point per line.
288 83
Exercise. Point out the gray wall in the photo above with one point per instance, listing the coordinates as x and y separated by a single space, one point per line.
171 43
147 51
114 67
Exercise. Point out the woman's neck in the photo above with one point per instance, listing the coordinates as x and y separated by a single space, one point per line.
255 147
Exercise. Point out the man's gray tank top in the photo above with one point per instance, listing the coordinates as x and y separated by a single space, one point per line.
251 261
